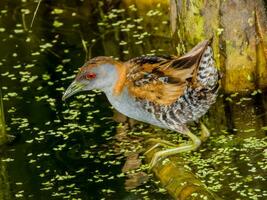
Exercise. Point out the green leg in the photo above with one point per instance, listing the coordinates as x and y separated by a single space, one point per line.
158 143
169 152
204 132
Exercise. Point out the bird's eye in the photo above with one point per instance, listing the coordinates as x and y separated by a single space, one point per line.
90 76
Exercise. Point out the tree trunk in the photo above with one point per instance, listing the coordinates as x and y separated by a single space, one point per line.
239 30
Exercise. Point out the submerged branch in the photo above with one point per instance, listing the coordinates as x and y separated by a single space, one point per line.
180 183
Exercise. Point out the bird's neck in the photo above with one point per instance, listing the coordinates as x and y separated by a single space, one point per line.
117 74
121 71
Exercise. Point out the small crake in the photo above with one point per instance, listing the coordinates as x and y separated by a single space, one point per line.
167 92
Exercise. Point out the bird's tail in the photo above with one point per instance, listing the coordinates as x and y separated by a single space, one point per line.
207 74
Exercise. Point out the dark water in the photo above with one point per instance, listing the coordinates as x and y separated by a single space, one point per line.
63 150
66 150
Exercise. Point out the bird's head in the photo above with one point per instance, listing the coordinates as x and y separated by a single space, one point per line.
98 73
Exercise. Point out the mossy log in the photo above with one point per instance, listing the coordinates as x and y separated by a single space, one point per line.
180 183
3 136
239 29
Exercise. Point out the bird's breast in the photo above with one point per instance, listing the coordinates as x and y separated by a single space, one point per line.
129 106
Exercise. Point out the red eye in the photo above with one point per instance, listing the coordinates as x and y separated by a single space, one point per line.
90 75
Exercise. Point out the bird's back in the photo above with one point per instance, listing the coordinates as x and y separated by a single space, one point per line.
174 90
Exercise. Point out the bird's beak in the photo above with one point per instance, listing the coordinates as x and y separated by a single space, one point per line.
73 89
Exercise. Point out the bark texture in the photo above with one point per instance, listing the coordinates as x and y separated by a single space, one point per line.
239 32
180 183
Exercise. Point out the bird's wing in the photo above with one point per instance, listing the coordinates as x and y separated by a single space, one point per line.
163 80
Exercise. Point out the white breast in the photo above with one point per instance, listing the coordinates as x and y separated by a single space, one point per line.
127 105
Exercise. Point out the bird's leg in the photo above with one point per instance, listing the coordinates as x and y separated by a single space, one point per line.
181 148
158 143
204 132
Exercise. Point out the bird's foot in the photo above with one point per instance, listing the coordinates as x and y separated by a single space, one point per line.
157 143
169 152
158 156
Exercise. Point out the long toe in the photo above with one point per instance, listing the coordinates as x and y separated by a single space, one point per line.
156 159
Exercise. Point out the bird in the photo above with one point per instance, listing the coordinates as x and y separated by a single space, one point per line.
165 91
